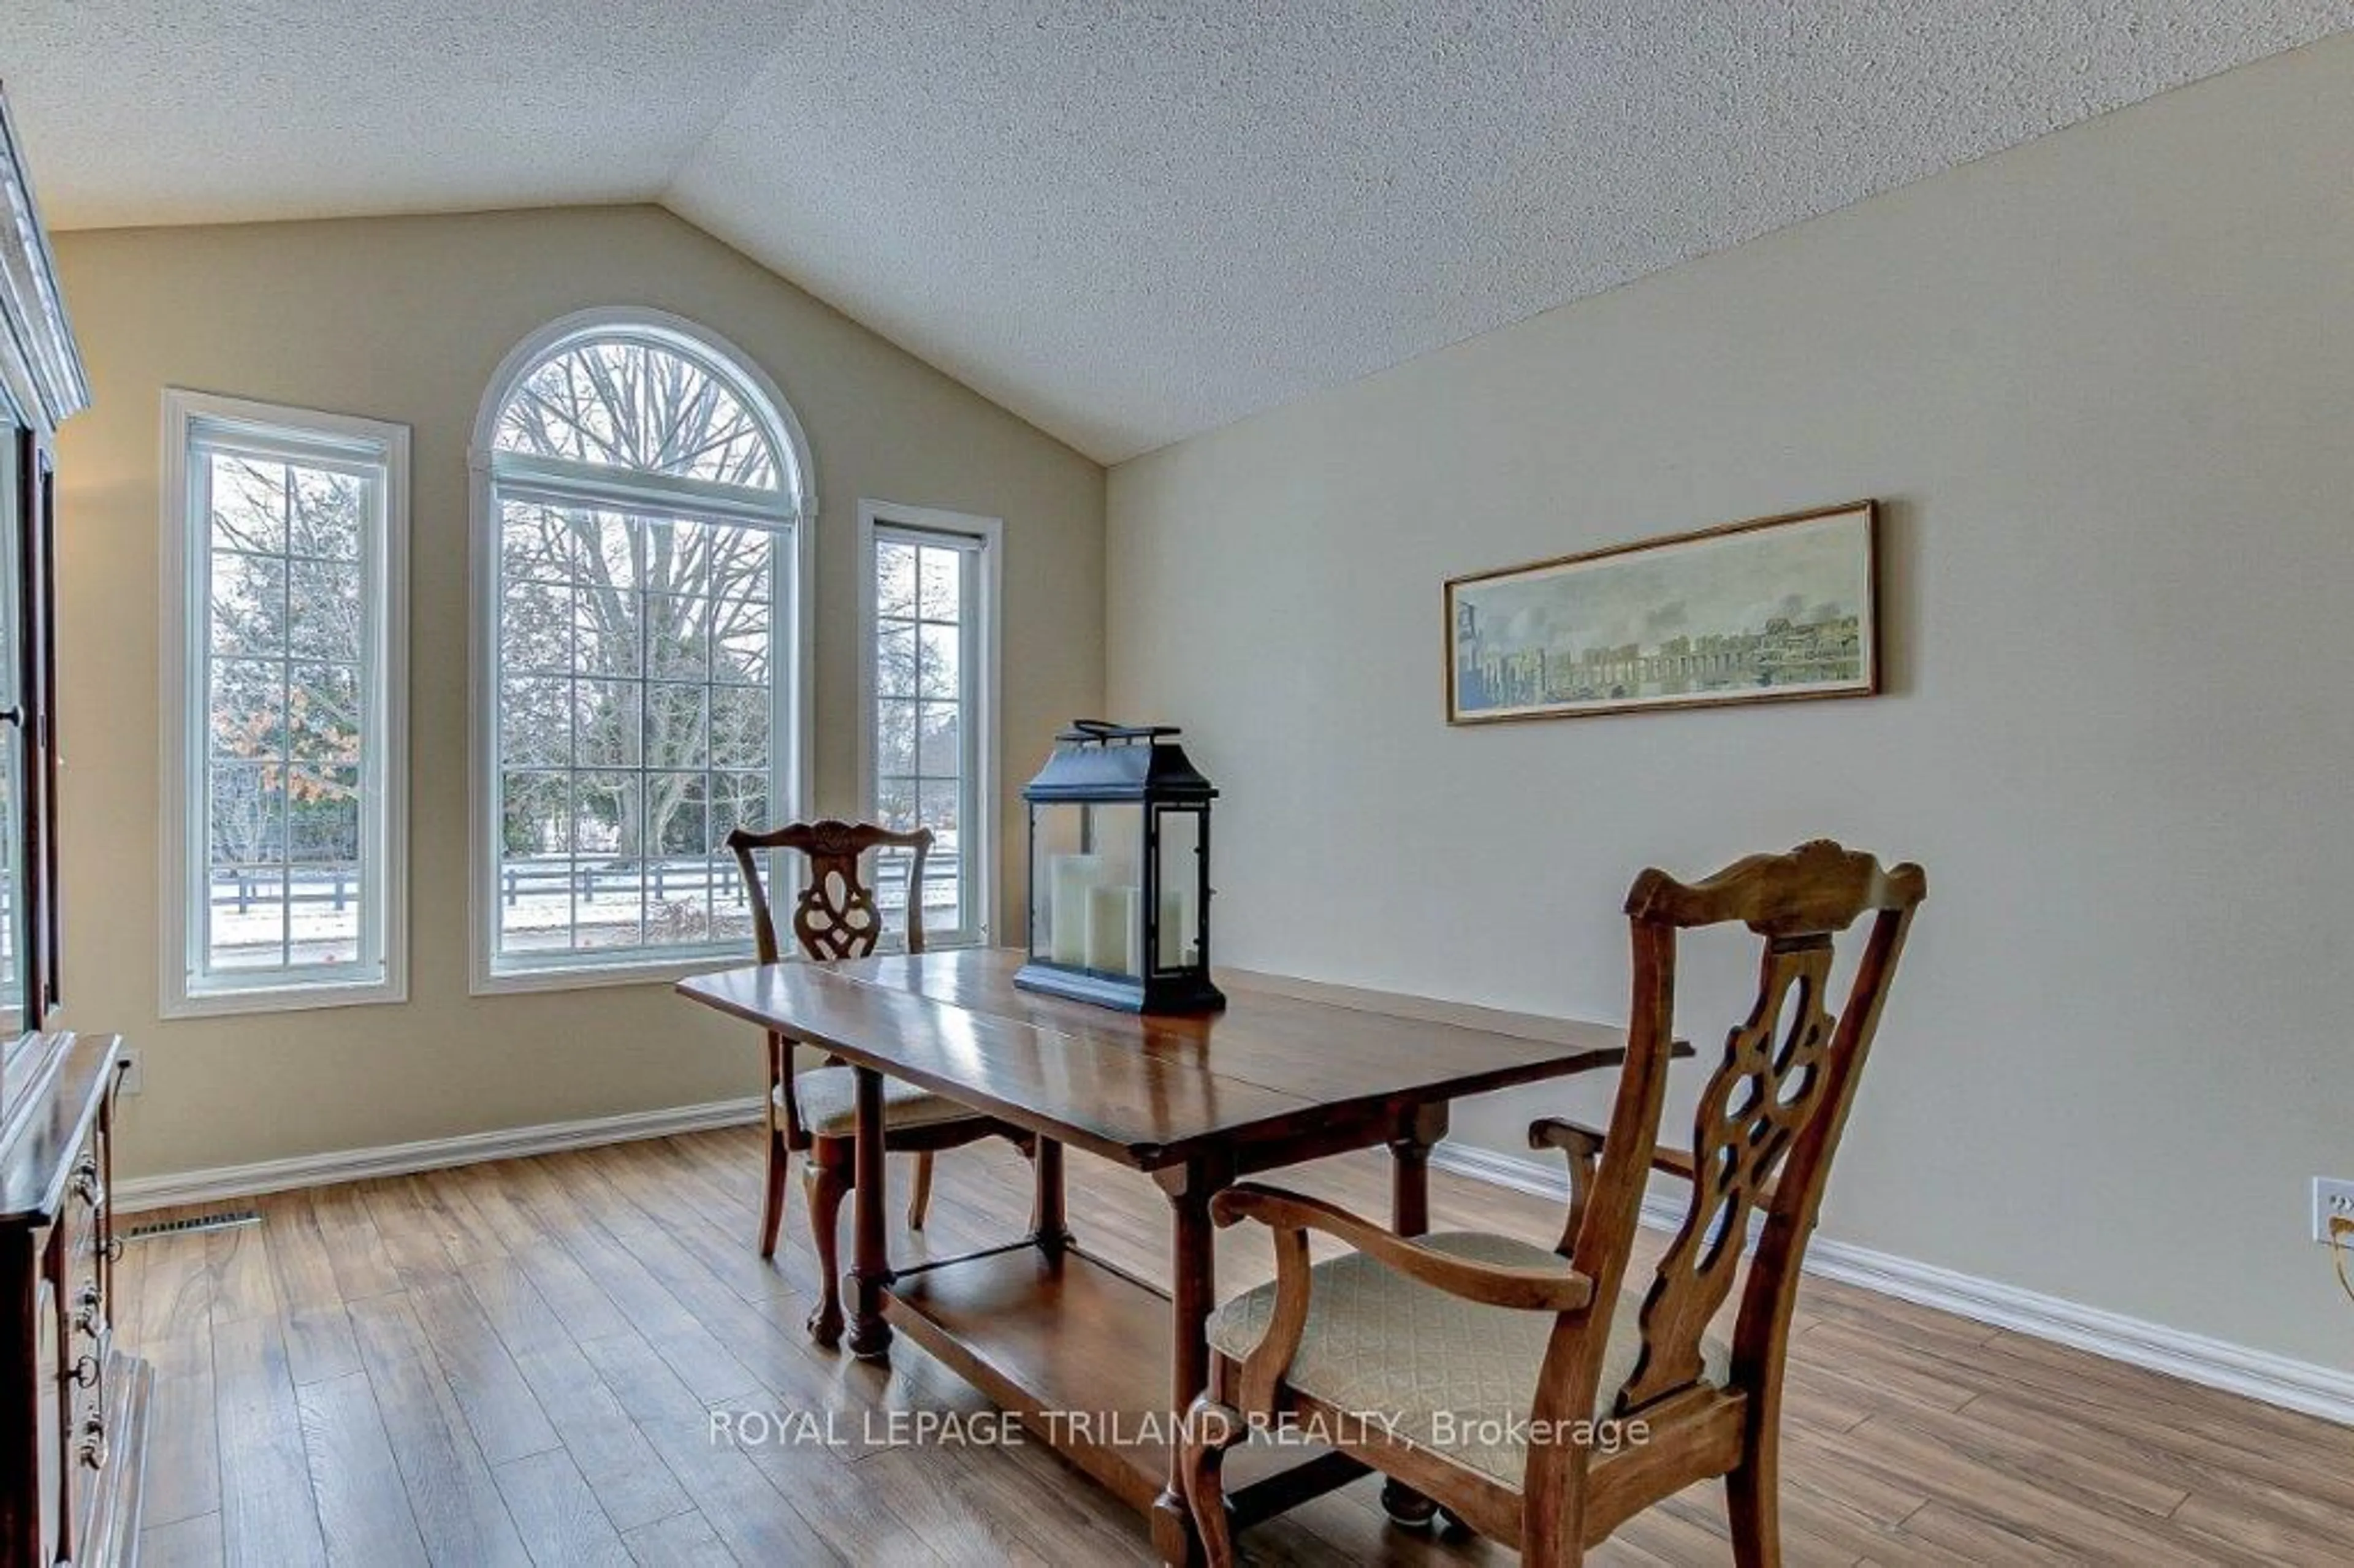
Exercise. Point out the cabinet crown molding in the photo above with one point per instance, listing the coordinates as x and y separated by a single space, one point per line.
41 379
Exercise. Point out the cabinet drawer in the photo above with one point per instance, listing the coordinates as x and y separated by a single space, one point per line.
85 1338
88 1226
87 1450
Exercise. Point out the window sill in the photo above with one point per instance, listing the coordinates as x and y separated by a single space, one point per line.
588 977
657 971
897 946
308 997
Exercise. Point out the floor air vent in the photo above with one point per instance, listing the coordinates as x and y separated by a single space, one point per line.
228 1219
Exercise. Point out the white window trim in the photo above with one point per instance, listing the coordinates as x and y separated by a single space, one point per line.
873 515
486 977
182 618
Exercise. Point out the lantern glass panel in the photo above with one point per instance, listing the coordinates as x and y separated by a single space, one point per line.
1058 864
1114 944
1087 886
1178 940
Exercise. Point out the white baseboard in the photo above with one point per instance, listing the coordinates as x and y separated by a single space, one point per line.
2298 1385
135 1193
2217 1363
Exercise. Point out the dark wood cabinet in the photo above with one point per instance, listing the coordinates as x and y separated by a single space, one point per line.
41 386
73 1405
71 1489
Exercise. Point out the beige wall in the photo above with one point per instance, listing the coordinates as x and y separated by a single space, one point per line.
405 319
2105 384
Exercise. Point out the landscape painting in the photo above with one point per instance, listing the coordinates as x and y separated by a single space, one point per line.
1777 608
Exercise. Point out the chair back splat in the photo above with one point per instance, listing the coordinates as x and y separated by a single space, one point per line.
835 916
1770 1117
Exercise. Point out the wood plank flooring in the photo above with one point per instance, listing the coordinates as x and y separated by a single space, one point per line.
514 1364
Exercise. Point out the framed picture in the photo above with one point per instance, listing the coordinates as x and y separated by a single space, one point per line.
1770 610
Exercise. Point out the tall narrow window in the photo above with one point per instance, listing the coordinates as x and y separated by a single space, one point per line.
285 712
929 720
643 514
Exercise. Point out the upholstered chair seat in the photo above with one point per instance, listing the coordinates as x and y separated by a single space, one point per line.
826 1097
1450 1375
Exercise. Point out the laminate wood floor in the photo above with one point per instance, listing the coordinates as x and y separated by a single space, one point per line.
512 1363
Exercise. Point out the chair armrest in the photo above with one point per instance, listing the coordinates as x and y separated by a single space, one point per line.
1572 1137
1583 1144
1489 1284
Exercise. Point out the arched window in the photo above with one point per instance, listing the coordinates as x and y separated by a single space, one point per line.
642 499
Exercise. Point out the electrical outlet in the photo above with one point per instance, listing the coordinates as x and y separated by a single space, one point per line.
130 1083
2331 1201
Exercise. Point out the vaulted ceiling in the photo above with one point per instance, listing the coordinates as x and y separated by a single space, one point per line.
1128 222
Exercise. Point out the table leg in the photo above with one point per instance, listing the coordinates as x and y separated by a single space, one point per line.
1409 1187
1410 1167
1052 1231
1193 1294
1410 1216
870 1270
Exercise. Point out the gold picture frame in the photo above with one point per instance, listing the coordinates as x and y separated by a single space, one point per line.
1774 610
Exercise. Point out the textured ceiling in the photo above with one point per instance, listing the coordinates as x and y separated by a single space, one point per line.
1127 222
139 112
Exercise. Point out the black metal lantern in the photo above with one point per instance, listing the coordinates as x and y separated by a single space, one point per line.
1119 871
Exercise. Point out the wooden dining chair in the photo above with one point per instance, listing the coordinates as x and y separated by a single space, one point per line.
1534 1395
814 1112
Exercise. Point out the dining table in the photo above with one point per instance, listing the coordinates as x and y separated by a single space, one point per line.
1095 1362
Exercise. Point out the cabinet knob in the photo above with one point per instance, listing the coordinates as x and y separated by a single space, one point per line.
85 1373
112 1249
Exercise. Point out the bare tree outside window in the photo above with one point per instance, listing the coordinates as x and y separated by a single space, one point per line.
287 634
638 641
285 638
631 404
926 700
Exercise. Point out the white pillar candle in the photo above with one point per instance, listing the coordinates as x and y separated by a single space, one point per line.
1176 928
1069 879
1115 917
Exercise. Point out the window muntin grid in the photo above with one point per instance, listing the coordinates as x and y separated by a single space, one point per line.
639 723
928 717
287 882
642 699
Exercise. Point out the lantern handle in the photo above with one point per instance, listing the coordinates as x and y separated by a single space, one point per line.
1103 731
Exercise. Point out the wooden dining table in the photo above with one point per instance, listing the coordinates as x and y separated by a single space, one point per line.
1095 1362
